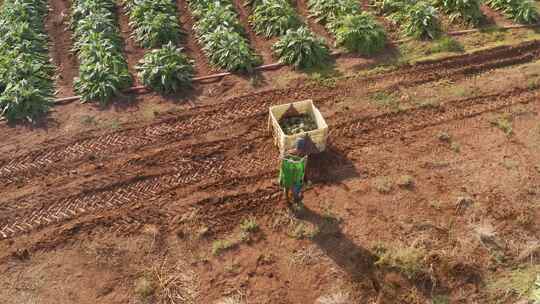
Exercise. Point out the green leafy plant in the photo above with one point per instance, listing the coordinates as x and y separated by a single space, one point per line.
327 11
26 86
274 18
301 49
521 11
222 36
360 33
418 20
390 6
154 22
446 44
230 50
466 10
166 70
103 70
218 16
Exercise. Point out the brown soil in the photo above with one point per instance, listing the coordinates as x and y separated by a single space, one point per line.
193 49
319 29
86 217
263 46
57 27
132 51
494 17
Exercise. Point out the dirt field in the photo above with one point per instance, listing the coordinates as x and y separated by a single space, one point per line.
429 191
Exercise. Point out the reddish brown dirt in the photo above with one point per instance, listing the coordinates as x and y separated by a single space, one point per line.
132 51
494 17
258 43
319 29
57 27
124 203
192 47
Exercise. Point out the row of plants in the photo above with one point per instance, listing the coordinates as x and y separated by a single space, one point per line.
297 46
221 35
353 29
521 11
165 69
103 71
418 19
26 85
467 11
154 22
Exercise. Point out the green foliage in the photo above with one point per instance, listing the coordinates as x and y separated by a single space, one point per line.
222 36
466 10
230 50
536 289
217 16
418 20
301 49
523 282
220 246
360 33
249 225
274 18
446 44
355 30
521 11
166 70
154 22
524 12
26 86
390 6
103 71
327 11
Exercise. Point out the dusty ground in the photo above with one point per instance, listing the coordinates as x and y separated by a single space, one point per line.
429 191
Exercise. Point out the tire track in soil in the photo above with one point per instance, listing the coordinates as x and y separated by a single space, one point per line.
247 107
189 171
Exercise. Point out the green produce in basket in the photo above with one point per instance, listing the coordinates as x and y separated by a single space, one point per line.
297 124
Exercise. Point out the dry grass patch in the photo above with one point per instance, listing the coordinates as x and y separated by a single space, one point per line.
519 283
408 260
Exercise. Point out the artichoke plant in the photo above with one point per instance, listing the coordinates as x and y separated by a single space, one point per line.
326 11
301 49
360 33
166 70
521 11
222 36
419 21
466 10
274 18
103 70
26 85
154 22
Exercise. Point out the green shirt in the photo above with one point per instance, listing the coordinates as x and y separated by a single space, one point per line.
292 171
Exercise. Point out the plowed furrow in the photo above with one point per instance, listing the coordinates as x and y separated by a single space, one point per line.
355 134
246 107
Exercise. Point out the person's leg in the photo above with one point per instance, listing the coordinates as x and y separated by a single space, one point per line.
297 193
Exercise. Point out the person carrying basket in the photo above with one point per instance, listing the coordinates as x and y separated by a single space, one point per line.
292 171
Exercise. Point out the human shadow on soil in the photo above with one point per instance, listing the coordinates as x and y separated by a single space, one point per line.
361 266
356 261
330 166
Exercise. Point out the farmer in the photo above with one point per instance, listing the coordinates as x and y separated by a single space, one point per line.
291 173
